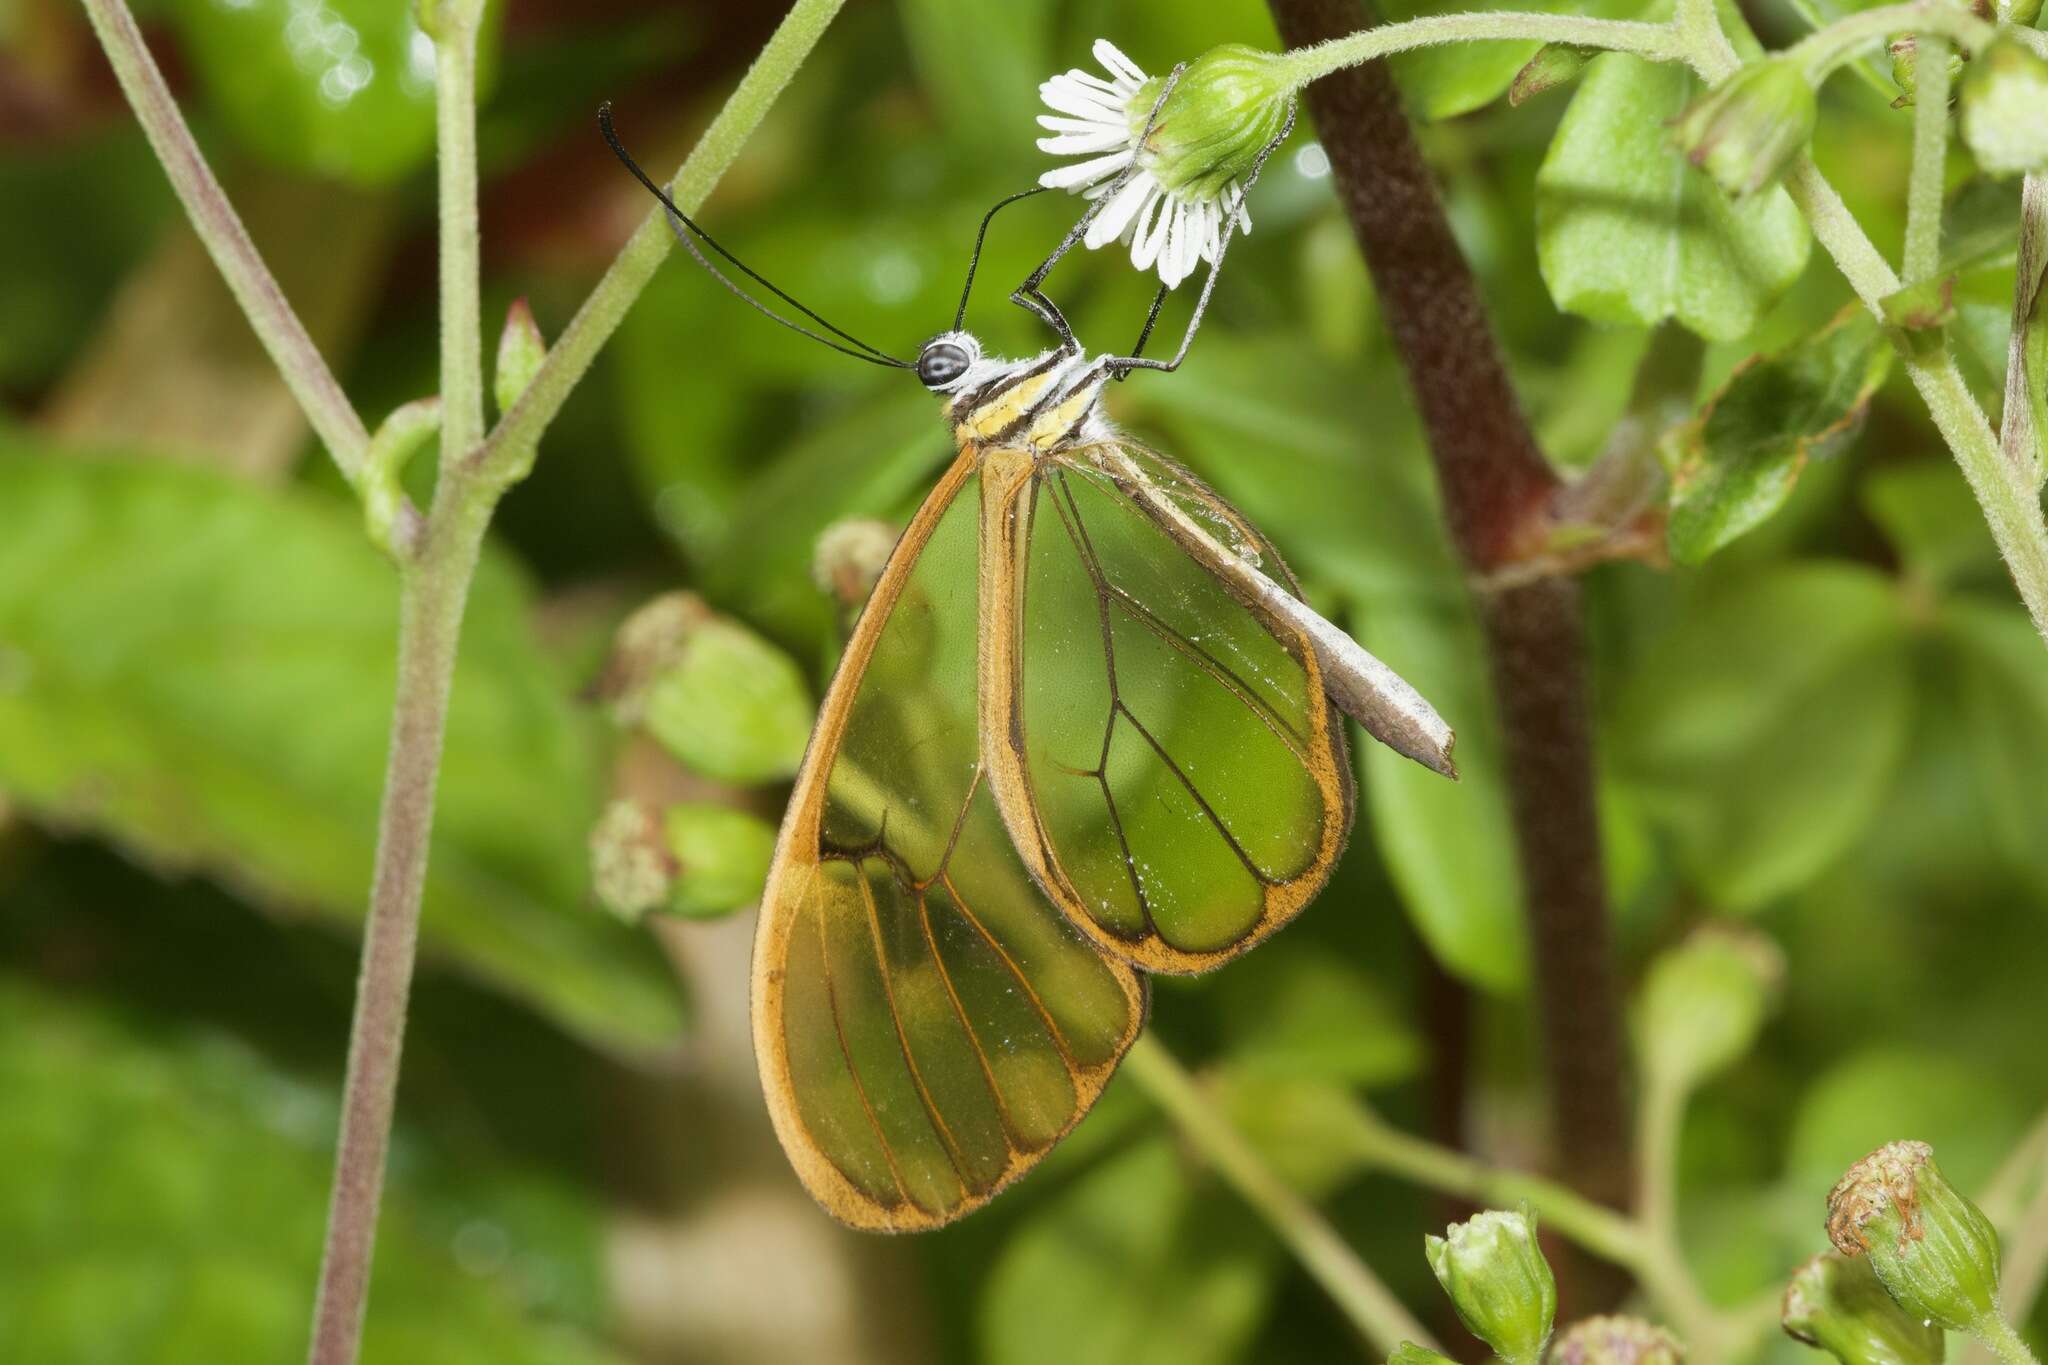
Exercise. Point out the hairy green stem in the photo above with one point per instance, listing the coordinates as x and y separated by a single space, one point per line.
433 591
1844 40
1655 42
509 452
1926 185
220 229
462 374
2017 435
2005 1343
1379 1317
2009 499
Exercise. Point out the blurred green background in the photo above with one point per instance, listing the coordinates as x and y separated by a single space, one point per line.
1837 729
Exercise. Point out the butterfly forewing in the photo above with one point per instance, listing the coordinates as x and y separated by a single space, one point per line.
1173 768
928 1024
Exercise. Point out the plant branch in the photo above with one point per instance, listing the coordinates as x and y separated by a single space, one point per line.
433 591
1823 50
1655 42
2005 1343
227 241
2017 436
1926 185
1379 1316
509 452
1497 494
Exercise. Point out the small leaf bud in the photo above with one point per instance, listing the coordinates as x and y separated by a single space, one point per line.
1704 1002
2003 95
1747 131
1836 1303
1553 65
521 349
1498 1280
1616 1340
1932 1249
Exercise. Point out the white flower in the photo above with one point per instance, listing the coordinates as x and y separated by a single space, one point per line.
1104 121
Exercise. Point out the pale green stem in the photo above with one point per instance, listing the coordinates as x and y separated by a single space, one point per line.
2009 499
462 373
1845 39
2016 434
1927 184
1379 1317
509 452
433 592
435 579
227 241
1656 42
1612 1236
2005 1343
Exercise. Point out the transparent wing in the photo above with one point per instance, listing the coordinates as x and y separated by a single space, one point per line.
927 1023
1173 768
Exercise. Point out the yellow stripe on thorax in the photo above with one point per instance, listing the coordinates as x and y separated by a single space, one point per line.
1055 422
1006 407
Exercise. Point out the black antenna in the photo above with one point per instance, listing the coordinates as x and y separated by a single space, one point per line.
678 220
974 261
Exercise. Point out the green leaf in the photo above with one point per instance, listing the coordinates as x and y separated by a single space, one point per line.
337 88
1762 729
1627 232
1129 1266
1448 845
179 1192
1926 511
2002 716
1736 464
1884 1094
1455 78
1295 1012
202 671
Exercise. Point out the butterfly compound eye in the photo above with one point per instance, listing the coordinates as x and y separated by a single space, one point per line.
941 363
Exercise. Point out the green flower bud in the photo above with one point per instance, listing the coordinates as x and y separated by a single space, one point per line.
1904 51
1408 1353
1616 1340
1553 65
1835 1302
696 859
1747 130
521 349
721 857
2003 96
728 704
1228 106
1932 1249
1704 1002
1498 1280
2020 13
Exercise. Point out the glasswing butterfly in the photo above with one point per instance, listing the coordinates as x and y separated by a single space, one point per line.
1084 729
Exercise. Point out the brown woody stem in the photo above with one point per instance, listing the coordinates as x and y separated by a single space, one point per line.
1497 489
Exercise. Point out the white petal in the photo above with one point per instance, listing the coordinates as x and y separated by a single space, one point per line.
1083 103
1084 172
1078 144
1089 78
1190 251
1148 236
1109 223
1079 125
1210 219
1115 62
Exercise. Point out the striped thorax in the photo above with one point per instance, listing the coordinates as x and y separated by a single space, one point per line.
1046 403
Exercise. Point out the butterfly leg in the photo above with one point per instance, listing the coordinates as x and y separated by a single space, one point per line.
1029 295
1121 366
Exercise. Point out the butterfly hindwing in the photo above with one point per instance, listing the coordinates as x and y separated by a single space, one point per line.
1169 762
926 1022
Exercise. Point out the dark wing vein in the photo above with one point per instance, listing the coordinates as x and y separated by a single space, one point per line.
846 1054
1075 1070
1201 801
1223 673
924 1094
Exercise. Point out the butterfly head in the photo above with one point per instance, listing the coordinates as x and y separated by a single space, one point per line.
947 359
